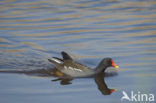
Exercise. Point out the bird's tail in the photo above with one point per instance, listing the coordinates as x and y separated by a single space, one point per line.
55 60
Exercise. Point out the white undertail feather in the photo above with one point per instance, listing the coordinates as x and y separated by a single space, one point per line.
56 60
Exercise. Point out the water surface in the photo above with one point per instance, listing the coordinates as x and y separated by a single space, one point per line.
89 30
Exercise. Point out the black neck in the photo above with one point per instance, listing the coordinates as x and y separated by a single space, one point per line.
101 68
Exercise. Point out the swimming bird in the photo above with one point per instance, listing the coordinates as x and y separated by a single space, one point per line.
69 67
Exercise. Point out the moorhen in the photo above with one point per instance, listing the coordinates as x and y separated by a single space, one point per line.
69 67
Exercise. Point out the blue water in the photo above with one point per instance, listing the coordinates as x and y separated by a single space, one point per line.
89 30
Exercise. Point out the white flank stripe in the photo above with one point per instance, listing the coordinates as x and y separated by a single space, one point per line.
71 68
78 69
65 67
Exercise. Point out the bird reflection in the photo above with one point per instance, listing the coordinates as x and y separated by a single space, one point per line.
65 79
102 86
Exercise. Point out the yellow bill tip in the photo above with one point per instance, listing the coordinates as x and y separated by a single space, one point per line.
116 66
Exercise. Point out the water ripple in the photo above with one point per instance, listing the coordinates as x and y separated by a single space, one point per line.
32 31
